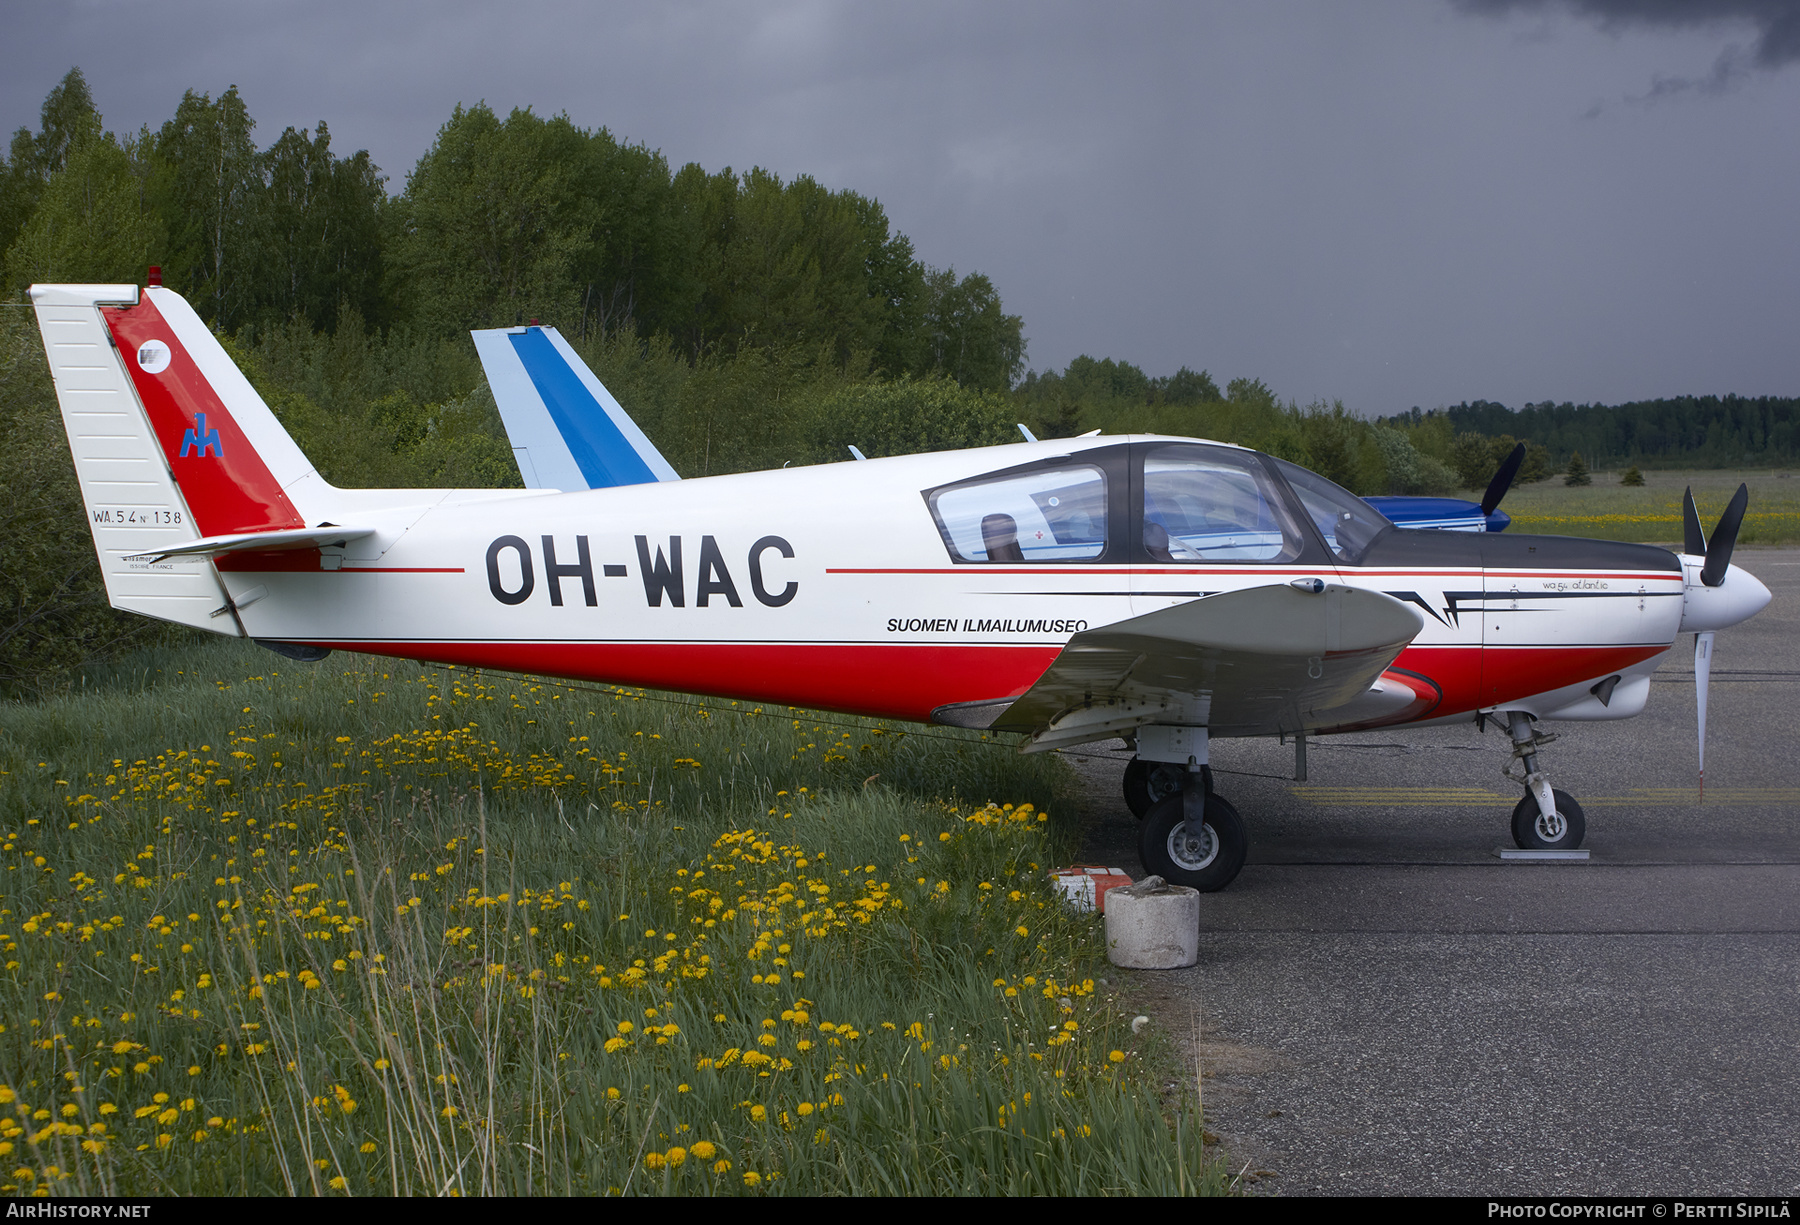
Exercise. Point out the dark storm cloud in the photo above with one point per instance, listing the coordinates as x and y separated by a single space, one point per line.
1776 24
1389 202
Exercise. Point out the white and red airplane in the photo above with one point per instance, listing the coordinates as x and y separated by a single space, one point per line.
1162 590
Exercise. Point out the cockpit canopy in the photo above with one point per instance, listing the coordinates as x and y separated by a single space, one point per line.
1168 503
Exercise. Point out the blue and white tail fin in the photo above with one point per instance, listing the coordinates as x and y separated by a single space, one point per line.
567 431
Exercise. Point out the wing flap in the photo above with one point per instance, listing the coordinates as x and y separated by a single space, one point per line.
1254 662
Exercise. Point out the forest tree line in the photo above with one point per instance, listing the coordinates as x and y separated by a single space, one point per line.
744 321
1679 432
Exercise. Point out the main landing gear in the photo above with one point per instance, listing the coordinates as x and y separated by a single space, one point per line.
1190 835
1194 837
1149 781
1546 819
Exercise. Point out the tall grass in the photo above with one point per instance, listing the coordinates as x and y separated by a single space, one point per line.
1651 513
382 929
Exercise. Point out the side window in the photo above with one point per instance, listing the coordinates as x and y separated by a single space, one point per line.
1210 504
1048 515
1348 523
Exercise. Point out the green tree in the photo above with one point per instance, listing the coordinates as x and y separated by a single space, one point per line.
20 186
1186 387
316 234
1536 466
1632 477
1407 469
90 223
1341 447
68 121
491 225
904 417
969 335
1577 471
204 186
775 265
632 270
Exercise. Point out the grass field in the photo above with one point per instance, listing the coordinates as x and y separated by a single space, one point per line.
362 927
1652 513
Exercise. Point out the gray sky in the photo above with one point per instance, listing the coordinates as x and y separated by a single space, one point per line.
1392 203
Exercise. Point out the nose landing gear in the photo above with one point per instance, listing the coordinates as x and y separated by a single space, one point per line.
1546 819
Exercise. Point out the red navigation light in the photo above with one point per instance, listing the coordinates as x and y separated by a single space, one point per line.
155 277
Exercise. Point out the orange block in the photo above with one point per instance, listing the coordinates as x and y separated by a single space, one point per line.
1086 886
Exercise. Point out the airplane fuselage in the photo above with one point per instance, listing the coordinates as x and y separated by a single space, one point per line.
836 587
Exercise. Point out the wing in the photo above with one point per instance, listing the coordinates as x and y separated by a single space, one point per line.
1256 662
567 431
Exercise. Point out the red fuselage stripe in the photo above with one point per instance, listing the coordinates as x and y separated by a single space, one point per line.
1240 572
890 682
910 681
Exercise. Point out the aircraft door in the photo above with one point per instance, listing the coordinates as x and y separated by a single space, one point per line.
1205 519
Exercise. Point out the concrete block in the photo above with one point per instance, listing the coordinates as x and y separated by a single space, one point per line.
1153 925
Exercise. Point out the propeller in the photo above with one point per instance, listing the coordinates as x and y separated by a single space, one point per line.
1503 479
1703 644
1695 539
1713 573
1724 538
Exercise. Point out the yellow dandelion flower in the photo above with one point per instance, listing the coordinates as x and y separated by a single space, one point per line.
703 1150
752 1178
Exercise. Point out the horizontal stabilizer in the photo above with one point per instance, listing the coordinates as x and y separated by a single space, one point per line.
567 431
1243 663
323 537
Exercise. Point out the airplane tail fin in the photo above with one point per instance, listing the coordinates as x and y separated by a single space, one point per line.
176 453
567 431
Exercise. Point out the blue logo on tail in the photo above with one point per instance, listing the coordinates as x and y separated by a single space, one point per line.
200 440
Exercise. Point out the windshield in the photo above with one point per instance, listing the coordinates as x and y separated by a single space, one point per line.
1349 524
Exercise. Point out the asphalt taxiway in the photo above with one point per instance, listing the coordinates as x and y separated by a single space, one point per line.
1386 1007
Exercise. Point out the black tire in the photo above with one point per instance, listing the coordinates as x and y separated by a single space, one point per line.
1208 867
1149 781
1531 835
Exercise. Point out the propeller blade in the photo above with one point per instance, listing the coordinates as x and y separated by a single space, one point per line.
1724 538
1695 540
1703 644
1503 479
